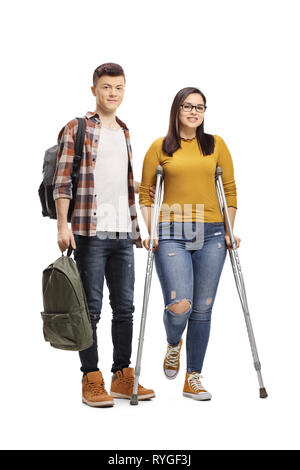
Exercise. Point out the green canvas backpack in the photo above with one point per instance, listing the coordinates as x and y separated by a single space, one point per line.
66 320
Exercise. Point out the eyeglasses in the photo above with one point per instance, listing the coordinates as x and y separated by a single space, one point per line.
187 107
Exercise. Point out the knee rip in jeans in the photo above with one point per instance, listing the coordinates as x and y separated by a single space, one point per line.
179 307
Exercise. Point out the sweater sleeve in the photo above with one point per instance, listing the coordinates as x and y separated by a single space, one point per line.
151 161
225 161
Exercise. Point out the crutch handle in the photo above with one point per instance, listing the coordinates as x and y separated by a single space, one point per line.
219 171
160 171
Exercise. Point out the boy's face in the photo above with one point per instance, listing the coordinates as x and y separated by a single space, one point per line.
109 92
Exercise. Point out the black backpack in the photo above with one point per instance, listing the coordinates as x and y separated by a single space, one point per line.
49 167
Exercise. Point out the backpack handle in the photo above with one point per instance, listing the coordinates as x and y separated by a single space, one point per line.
69 252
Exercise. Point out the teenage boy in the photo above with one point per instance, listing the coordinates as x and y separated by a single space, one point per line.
103 230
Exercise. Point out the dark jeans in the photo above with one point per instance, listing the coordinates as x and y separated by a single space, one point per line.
113 259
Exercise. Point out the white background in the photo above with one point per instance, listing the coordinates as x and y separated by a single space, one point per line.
244 57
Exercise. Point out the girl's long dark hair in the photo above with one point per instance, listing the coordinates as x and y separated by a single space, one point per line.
171 142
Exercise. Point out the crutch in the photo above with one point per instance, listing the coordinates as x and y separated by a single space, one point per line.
238 276
137 370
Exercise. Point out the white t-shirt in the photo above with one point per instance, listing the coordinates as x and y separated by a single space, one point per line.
111 182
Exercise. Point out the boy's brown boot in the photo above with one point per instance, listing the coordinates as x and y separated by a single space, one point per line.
122 385
93 390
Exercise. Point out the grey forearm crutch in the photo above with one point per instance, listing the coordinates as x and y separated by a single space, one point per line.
237 271
154 220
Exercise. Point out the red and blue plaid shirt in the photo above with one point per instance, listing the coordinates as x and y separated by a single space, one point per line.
84 217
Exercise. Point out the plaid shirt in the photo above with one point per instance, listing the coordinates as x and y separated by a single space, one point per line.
84 217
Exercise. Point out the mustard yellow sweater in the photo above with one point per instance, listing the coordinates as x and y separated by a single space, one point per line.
189 192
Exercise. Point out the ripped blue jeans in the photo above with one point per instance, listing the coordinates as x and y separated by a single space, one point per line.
189 262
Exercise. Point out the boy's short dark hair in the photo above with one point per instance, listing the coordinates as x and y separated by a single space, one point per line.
114 70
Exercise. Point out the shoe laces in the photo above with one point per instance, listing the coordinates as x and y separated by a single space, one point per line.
172 356
194 381
96 387
129 380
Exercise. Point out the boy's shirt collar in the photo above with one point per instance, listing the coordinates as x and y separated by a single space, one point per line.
94 114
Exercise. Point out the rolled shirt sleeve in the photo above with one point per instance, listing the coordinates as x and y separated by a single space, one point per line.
62 180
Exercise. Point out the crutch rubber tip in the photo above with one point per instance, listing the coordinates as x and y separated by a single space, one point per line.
134 400
263 392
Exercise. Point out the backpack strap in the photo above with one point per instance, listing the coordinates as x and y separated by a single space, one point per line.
70 249
79 144
80 137
78 151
